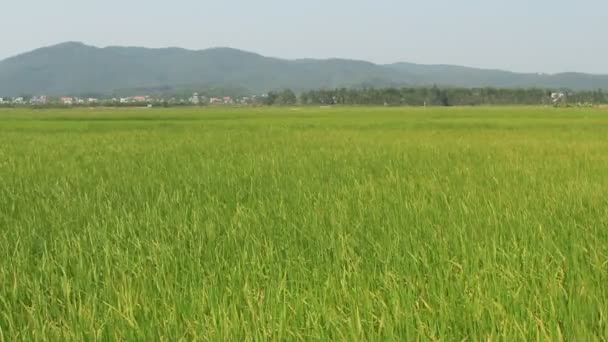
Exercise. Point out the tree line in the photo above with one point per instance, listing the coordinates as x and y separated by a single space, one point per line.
435 96
419 96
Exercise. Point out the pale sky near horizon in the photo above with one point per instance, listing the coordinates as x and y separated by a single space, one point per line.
517 35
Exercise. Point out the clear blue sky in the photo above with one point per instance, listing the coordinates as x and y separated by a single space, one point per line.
518 35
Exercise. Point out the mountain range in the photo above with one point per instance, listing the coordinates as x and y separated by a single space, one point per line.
75 68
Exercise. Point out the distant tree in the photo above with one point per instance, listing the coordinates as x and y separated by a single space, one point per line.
439 97
270 98
436 96
304 98
286 98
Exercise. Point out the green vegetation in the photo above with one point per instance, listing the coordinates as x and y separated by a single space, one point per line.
420 96
435 96
311 224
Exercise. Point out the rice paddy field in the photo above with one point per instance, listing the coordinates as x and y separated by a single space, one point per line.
304 224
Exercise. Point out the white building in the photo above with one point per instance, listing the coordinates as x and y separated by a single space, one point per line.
68 101
195 99
38 100
1 100
558 97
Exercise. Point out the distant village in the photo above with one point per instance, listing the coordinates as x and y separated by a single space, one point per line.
142 100
419 96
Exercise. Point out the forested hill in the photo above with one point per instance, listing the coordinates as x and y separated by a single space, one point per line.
75 68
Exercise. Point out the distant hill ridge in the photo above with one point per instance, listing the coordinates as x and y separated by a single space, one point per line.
76 68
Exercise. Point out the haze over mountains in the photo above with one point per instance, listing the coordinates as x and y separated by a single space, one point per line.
76 68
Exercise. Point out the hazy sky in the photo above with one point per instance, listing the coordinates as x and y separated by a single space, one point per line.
518 35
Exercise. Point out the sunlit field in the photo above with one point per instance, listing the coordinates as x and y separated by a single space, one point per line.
304 224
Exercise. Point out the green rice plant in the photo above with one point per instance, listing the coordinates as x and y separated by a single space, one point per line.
304 224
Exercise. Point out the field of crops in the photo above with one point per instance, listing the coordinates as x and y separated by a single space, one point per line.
304 223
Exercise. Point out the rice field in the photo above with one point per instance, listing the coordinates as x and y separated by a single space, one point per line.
304 224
